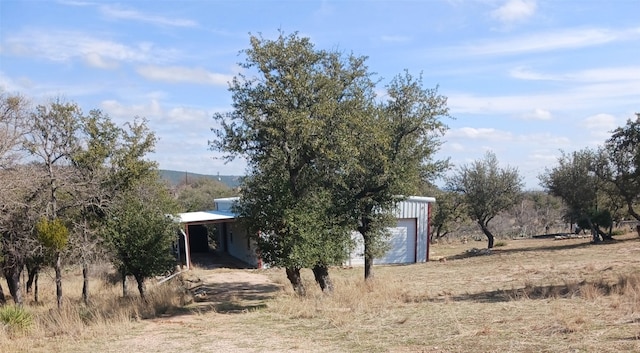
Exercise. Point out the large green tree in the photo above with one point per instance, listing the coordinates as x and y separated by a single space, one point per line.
288 121
618 164
393 155
486 190
574 181
140 231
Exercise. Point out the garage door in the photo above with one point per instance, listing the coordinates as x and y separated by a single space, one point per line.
402 243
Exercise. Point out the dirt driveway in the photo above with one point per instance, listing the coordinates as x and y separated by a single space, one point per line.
221 297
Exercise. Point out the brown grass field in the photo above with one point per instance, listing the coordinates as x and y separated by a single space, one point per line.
533 295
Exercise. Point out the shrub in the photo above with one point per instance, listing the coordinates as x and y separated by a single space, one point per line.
15 318
499 244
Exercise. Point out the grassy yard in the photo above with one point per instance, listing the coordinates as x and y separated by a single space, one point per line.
533 295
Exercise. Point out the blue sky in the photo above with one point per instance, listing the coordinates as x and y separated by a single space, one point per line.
525 78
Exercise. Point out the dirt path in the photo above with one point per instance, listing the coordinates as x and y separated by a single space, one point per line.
221 297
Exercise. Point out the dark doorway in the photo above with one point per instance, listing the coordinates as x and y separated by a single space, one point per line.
198 239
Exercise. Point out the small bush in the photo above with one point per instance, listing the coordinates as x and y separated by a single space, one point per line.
16 318
500 243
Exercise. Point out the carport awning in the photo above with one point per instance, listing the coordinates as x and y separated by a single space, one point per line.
205 217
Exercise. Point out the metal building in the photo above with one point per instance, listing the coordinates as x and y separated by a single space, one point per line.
409 239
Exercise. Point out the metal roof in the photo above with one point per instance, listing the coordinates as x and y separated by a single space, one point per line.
205 216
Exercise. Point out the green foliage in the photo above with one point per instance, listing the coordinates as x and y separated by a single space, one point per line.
618 165
289 123
16 318
199 194
128 164
448 211
486 190
500 244
140 232
53 234
392 155
325 155
599 218
572 182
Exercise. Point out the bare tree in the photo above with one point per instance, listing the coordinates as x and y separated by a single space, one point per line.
13 220
51 142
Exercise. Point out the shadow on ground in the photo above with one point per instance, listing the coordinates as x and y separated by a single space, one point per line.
554 245
627 284
213 287
212 260
233 297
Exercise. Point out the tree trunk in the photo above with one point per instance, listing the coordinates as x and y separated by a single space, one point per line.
368 267
32 271
490 238
124 284
141 287
32 281
3 299
85 282
604 235
321 274
58 270
594 231
12 275
293 274
35 287
364 229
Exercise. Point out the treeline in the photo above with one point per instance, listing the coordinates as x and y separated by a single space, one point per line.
590 189
77 188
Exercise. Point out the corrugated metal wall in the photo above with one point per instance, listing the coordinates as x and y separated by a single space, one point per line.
420 211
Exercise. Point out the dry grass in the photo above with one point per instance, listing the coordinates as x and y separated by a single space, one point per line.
528 296
107 311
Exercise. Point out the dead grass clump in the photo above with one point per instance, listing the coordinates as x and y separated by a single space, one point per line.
353 297
106 311
160 300
543 291
566 326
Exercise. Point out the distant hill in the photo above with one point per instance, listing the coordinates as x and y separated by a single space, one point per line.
175 177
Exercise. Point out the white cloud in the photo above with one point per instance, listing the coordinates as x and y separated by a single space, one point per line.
479 133
454 146
538 114
548 41
75 3
515 11
183 74
124 112
599 127
188 115
130 14
97 61
524 73
544 156
543 139
64 46
583 96
605 74
600 121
